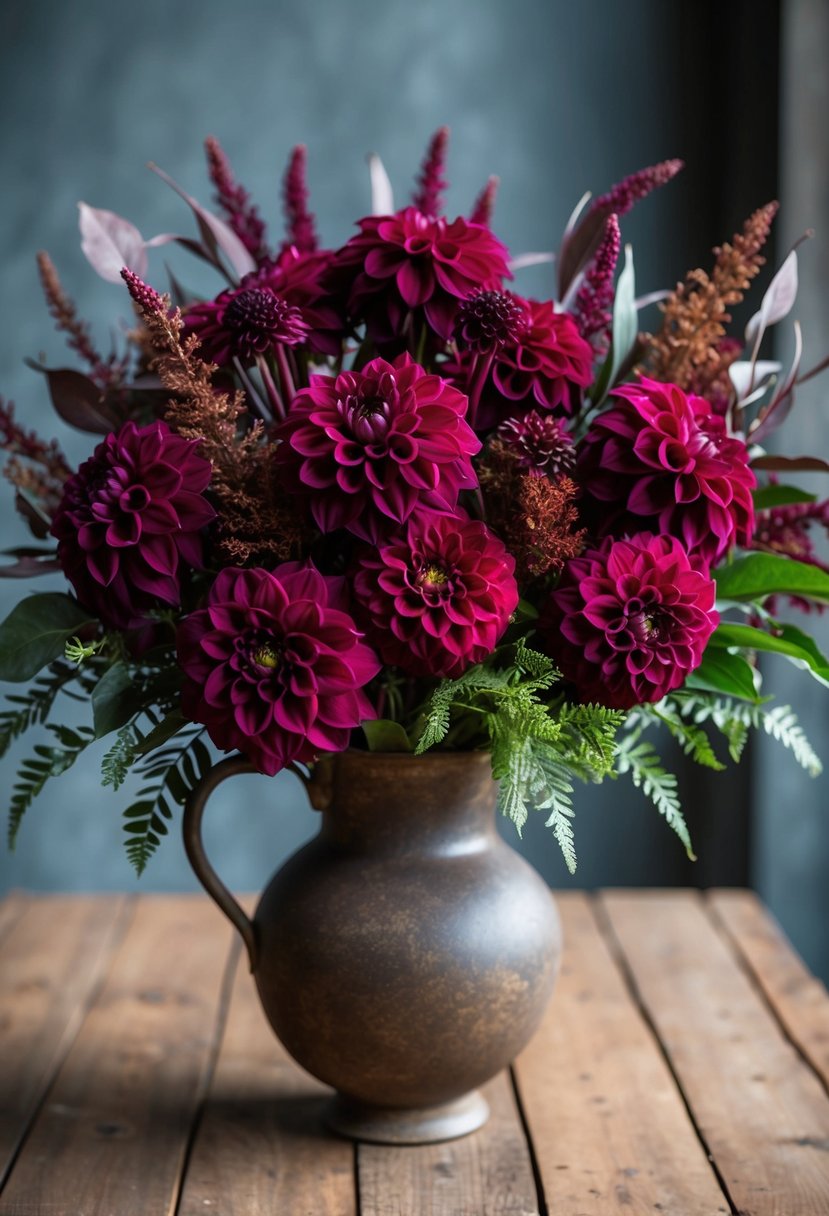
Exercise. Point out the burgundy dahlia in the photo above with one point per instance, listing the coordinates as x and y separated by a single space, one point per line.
404 268
548 364
540 443
129 516
437 598
487 321
369 447
275 666
243 322
630 620
661 459
300 276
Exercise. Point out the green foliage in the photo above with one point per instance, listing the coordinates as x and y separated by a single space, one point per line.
169 775
759 575
45 763
723 672
383 735
784 639
691 737
33 707
640 761
35 633
734 719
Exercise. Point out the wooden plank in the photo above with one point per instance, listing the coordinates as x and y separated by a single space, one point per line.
607 1123
261 1147
760 1109
486 1174
799 1000
11 909
112 1135
51 959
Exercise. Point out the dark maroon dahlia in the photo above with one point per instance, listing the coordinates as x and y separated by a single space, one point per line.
488 321
130 516
540 443
300 276
548 364
369 447
245 321
437 598
408 267
661 459
630 620
275 666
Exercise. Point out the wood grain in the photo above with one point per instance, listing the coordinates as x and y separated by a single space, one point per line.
609 1128
488 1173
11 909
261 1147
761 1111
112 1136
799 1000
51 959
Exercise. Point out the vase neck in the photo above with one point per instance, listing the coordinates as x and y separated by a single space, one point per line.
397 804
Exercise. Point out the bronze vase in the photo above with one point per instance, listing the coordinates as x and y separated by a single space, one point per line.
407 953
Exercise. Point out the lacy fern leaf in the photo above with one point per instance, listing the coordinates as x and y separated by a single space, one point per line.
46 762
645 769
171 774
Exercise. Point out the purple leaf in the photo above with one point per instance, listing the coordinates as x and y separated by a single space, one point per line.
79 401
110 242
214 232
31 567
777 303
579 246
743 374
778 409
522 260
791 464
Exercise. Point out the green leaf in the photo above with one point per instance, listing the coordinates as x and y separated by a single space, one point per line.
780 496
762 574
625 329
721 671
386 736
35 633
166 729
114 700
787 640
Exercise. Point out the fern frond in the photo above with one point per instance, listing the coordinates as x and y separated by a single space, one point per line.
46 762
170 775
734 719
35 705
646 772
691 737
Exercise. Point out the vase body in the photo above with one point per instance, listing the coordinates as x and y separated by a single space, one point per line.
407 953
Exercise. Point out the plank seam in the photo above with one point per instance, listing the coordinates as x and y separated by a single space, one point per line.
541 1198
605 926
732 944
222 1013
124 916
18 899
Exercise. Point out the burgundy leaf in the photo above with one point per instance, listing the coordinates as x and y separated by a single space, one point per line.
79 401
215 233
791 464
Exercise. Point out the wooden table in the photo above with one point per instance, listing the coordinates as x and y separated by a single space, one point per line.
683 1068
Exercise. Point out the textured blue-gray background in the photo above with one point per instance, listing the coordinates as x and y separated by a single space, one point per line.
555 98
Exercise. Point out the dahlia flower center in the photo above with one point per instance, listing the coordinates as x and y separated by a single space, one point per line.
267 655
434 576
643 626
134 499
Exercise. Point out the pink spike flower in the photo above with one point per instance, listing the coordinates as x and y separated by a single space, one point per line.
367 448
234 200
301 226
275 666
428 197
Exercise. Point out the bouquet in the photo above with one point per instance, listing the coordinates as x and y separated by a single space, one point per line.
373 497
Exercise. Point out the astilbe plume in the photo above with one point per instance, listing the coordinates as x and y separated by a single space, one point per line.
688 350
593 307
242 215
536 517
630 620
252 521
431 184
301 232
437 596
484 206
105 372
37 467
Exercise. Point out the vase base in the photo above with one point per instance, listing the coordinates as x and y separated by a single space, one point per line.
395 1125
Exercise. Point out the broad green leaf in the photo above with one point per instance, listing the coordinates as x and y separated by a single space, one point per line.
721 671
35 633
114 700
386 736
787 640
780 496
762 574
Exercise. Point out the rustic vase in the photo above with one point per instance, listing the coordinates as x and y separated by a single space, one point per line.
407 953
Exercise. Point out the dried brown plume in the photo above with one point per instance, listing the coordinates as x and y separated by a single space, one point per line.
689 349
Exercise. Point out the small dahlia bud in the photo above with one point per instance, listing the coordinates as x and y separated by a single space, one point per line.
146 297
244 322
541 444
488 321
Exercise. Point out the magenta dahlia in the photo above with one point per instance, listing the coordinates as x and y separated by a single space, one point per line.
300 277
245 321
129 517
540 443
630 620
662 459
369 447
547 364
275 666
437 598
488 321
410 263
